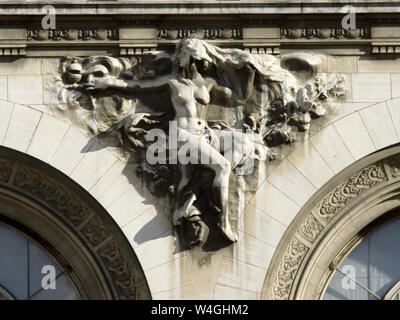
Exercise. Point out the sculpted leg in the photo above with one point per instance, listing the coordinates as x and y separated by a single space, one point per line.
221 193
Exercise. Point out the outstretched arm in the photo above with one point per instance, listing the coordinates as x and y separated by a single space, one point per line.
131 85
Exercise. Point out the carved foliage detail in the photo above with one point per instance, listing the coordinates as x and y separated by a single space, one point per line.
344 193
330 206
73 34
95 231
6 167
203 32
394 164
325 32
310 228
118 269
288 269
52 194
73 210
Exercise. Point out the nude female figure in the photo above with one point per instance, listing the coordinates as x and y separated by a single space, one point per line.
188 92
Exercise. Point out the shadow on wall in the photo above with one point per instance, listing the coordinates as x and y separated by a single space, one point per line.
156 190
213 95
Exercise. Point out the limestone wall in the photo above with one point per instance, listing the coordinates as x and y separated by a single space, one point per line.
368 119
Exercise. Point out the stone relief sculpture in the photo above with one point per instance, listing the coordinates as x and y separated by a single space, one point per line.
198 122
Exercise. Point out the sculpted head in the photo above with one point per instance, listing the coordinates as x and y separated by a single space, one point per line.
94 71
103 71
192 56
190 49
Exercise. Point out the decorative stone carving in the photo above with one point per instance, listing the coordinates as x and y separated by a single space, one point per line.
202 32
325 32
13 50
394 166
6 167
95 232
311 228
288 269
344 193
386 49
320 216
80 33
214 112
263 50
127 50
51 193
119 271
127 280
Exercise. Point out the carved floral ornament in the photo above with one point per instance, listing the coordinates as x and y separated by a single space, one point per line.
325 32
120 270
202 32
198 122
85 34
377 182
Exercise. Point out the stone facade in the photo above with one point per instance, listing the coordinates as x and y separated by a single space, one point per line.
270 231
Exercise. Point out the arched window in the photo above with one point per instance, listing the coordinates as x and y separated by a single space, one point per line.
27 272
51 228
343 244
371 270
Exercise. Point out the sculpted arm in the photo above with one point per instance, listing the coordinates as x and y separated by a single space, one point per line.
132 85
219 92
249 84
224 93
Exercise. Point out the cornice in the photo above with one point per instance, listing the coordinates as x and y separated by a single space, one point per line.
133 36
206 7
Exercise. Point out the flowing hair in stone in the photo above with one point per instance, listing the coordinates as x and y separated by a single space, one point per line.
88 112
280 82
291 90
